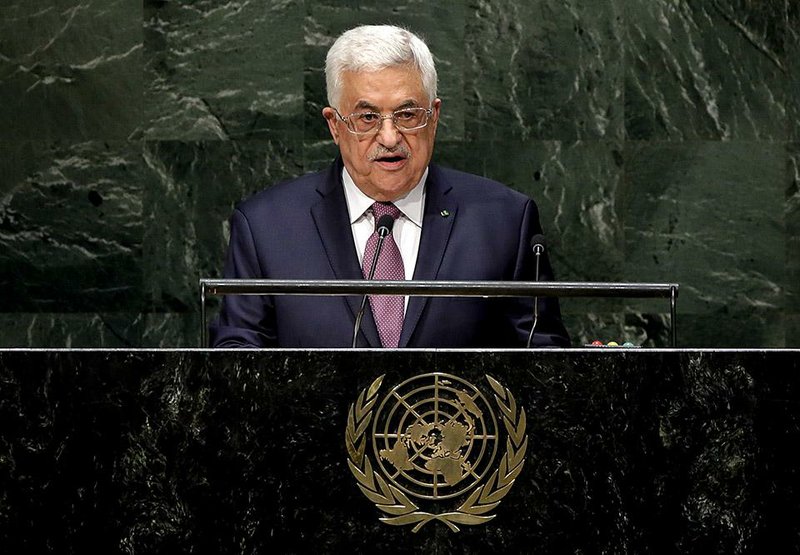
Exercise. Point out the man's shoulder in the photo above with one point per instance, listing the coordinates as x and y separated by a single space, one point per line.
294 192
471 185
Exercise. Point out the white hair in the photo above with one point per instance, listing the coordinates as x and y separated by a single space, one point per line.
376 47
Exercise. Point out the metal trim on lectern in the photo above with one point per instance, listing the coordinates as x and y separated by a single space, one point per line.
438 289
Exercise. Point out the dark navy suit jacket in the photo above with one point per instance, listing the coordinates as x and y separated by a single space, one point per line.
473 229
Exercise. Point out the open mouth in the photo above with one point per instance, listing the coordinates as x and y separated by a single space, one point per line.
391 161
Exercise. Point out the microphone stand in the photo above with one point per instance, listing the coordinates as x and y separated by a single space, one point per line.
385 225
538 249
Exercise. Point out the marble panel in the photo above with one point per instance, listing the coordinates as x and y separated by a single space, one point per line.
236 452
74 330
793 66
792 331
70 70
71 227
441 27
705 70
318 154
793 229
732 328
175 330
709 216
652 134
544 70
453 153
575 186
223 70
641 329
193 189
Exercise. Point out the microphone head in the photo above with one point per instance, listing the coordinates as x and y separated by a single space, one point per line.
385 225
538 242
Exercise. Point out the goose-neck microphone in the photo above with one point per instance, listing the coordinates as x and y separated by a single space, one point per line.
384 229
537 246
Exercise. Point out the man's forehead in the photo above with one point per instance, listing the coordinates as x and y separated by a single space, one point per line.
398 86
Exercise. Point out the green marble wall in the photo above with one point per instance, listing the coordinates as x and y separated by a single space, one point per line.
661 139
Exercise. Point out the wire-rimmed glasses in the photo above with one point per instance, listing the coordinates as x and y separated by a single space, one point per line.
405 119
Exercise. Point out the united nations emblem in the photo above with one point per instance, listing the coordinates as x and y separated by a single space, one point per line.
435 439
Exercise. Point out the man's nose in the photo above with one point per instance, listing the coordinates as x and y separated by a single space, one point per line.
388 134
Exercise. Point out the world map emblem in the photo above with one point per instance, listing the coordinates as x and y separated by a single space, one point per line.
434 449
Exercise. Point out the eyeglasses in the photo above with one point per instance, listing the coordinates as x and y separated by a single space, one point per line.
406 119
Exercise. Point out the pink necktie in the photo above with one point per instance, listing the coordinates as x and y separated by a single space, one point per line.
387 309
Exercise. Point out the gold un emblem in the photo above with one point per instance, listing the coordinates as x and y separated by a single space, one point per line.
435 441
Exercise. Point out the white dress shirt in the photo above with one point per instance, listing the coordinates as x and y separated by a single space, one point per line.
407 228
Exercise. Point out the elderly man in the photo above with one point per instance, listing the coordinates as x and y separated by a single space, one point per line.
447 225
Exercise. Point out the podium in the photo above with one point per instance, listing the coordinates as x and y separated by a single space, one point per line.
176 451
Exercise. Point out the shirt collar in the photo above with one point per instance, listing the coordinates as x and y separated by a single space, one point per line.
411 205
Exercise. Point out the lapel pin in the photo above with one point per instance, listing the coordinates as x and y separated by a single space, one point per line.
444 213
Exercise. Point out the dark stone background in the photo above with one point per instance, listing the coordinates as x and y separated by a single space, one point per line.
661 139
633 451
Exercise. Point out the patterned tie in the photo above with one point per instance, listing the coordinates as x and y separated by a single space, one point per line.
387 309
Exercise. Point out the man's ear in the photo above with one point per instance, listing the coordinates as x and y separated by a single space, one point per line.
330 116
437 107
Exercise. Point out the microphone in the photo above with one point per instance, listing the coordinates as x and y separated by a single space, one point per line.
384 229
537 246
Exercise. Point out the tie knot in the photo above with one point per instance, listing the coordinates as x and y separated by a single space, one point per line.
380 209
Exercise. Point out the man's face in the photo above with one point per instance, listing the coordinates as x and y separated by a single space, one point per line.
388 164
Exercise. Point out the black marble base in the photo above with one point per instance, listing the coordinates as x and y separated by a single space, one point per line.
242 452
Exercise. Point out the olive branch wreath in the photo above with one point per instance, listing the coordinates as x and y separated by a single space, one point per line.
392 501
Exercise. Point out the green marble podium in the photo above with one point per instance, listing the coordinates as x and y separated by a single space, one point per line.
168 451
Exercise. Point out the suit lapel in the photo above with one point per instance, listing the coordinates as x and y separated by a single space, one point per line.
333 225
437 223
